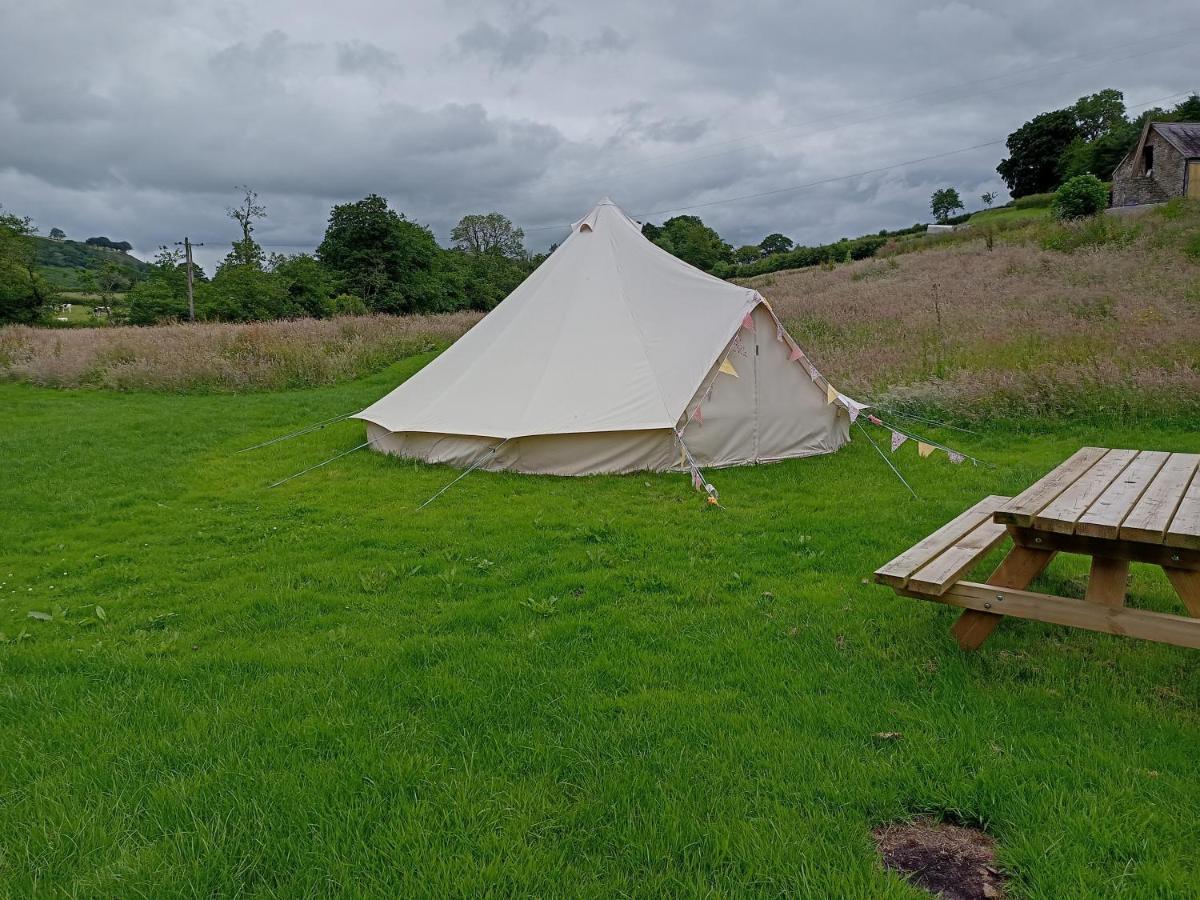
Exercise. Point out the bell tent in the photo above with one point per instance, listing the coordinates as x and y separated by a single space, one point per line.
615 356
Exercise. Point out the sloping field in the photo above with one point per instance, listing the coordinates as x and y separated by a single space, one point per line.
1094 320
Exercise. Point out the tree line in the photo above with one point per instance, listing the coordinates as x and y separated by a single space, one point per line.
371 259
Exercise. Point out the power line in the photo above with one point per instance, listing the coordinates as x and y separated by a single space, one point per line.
890 105
812 184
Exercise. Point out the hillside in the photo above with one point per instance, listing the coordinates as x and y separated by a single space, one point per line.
62 262
1097 318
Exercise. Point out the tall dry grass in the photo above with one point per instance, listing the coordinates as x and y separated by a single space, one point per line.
1109 329
222 357
1100 319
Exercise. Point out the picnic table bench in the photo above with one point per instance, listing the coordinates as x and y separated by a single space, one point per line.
1116 506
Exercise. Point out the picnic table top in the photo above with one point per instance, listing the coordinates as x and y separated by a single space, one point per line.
1146 496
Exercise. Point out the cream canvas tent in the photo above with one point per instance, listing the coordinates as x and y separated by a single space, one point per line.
613 357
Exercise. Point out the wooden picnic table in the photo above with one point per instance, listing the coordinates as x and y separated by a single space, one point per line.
1116 506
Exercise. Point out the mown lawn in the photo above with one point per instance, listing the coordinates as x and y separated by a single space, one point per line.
537 686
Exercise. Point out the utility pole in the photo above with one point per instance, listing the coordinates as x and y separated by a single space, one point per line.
187 253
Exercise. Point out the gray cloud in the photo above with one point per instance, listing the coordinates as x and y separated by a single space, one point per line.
514 47
136 119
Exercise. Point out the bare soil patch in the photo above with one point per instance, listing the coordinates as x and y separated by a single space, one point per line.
951 861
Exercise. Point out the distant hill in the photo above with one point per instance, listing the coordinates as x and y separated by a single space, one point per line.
63 262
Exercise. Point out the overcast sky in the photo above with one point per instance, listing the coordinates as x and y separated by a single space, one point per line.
136 119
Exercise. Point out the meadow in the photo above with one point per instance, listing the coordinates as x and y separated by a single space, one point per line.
595 686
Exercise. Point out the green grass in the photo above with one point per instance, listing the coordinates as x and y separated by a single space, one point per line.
1010 215
537 686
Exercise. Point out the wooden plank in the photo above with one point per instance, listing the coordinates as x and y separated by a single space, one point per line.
1148 520
1154 554
1064 511
1018 570
1104 517
1123 620
1021 509
957 559
1184 530
1108 581
1187 585
899 570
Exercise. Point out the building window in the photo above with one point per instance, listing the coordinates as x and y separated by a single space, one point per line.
1148 159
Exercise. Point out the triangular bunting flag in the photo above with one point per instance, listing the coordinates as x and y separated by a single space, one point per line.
747 322
924 449
831 395
795 354
956 458
697 481
778 330
682 457
727 368
698 416
854 409
897 440
812 372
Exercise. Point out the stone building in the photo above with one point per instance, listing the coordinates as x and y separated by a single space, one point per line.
1165 163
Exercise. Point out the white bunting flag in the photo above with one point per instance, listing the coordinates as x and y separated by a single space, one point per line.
956 458
897 440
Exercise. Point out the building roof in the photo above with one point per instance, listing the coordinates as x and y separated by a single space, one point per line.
1183 136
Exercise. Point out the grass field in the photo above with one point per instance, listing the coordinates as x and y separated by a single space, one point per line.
538 686
1010 215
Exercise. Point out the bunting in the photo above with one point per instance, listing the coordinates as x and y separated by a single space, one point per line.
897 440
955 457
831 395
727 368
795 354
924 449
748 322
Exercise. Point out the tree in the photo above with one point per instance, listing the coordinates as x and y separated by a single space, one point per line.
747 254
245 293
246 252
1099 113
1188 110
162 295
944 202
775 243
692 241
988 199
489 233
57 234
25 296
377 254
1035 150
1081 196
308 284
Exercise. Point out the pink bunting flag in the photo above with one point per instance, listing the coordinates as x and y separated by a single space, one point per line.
956 458
875 420
748 322
697 481
698 415
897 440
795 354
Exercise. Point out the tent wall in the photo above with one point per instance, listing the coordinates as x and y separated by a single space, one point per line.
594 453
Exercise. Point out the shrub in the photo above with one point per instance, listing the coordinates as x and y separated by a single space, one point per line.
1079 197
1094 232
348 305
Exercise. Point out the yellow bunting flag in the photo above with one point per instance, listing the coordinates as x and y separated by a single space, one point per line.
728 369
682 457
924 449
831 395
